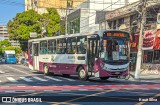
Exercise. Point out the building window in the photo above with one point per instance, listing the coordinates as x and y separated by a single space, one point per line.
51 46
43 47
148 56
120 21
71 45
74 26
81 45
110 24
61 46
156 58
151 56
114 24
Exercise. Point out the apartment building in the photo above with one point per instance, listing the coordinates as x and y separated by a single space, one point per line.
3 33
61 5
5 36
86 17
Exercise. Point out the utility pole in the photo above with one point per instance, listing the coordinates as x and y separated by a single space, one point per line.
139 53
66 18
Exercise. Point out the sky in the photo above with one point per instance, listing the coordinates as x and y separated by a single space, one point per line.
9 9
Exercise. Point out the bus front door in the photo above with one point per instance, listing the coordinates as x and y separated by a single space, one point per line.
35 56
92 48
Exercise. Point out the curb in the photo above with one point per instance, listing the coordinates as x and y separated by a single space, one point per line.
31 89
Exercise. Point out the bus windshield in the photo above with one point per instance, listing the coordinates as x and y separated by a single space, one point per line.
114 50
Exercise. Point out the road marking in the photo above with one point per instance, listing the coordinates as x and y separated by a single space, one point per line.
75 99
55 79
67 79
2 72
26 79
18 70
11 79
40 79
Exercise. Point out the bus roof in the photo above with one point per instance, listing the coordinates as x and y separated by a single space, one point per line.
100 33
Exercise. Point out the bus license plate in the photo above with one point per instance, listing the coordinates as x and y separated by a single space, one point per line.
117 72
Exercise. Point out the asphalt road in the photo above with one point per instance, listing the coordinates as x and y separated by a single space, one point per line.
20 81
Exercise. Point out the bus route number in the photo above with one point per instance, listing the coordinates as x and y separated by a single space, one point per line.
116 34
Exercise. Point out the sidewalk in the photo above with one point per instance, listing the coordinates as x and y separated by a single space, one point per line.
146 77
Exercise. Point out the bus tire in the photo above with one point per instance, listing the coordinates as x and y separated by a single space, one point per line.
82 74
104 78
46 70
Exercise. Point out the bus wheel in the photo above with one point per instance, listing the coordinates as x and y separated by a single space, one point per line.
82 74
104 78
46 70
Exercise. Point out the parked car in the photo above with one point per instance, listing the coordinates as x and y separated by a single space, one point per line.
3 60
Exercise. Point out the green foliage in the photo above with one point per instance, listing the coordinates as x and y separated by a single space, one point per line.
17 49
4 43
19 27
52 21
1 52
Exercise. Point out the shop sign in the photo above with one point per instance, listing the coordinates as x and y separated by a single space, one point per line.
134 42
119 12
148 39
157 40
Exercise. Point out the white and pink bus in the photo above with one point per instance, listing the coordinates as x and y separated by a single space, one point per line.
103 54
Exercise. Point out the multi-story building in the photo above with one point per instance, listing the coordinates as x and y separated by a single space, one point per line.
84 18
61 5
5 36
128 18
3 33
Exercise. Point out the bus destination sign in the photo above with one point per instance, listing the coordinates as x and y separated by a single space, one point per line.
114 34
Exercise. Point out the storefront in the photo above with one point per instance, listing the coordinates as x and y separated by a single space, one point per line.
133 50
151 53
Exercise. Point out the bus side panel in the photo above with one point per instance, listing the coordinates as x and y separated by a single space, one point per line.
41 64
53 67
65 68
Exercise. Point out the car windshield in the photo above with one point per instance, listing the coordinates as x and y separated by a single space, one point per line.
114 50
11 56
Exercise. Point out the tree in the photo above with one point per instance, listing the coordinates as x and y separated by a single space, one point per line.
21 26
17 49
29 21
4 43
52 21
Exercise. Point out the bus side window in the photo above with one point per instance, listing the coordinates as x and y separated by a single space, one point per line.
71 45
81 45
61 46
43 47
51 46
